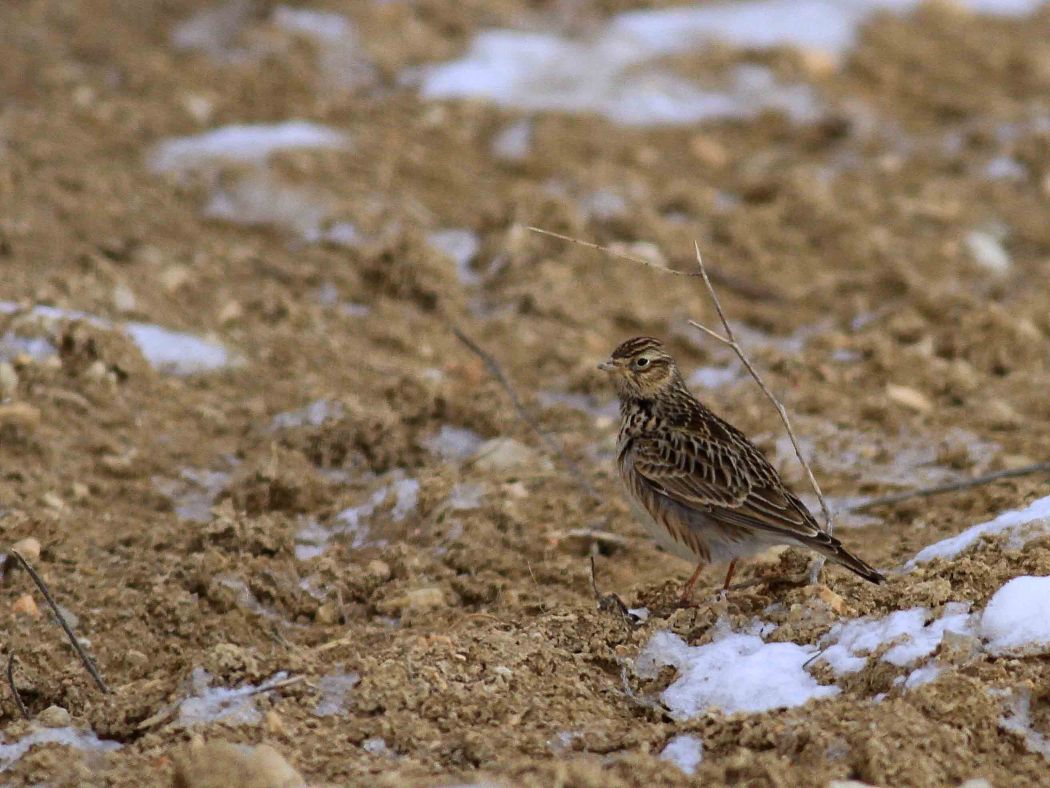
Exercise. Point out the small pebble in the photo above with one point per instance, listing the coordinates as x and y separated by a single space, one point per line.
54 717
27 605
29 548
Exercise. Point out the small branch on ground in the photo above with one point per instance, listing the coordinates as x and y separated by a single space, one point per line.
941 489
84 658
548 440
14 690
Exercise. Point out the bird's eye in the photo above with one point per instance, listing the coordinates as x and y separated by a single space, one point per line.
641 363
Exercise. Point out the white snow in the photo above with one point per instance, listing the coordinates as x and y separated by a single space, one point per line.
1016 620
1018 719
37 348
260 198
176 352
465 495
1019 524
461 246
314 415
513 142
684 751
923 675
341 57
615 72
906 631
194 492
241 143
736 672
406 498
67 737
987 250
335 689
713 377
210 704
453 443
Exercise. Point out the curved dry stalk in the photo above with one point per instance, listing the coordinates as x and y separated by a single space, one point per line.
553 446
730 341
612 252
14 690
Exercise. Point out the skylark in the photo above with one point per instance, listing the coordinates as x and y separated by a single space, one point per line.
703 490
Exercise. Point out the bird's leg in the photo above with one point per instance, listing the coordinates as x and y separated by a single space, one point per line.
687 590
729 575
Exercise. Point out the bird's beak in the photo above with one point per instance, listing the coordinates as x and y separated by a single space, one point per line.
608 366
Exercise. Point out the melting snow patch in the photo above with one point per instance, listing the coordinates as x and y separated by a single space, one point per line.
736 672
313 415
686 752
1018 719
465 495
924 675
453 443
460 246
175 352
37 348
218 704
1019 524
194 492
910 637
335 689
987 251
715 377
513 142
1017 618
241 143
67 737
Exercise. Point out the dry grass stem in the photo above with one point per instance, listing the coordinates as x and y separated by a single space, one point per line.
613 253
730 341
88 663
940 489
548 440
14 690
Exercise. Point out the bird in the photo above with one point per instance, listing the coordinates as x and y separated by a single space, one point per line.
703 490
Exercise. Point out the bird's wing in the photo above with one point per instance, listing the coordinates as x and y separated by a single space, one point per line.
726 477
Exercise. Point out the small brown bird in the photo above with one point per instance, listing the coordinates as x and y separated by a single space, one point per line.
704 491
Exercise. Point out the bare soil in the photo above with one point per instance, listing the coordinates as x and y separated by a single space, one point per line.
474 632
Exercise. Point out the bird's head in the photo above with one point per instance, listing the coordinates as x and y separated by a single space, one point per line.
641 368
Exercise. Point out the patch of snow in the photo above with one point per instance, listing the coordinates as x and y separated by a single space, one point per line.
176 352
343 234
37 348
465 495
1018 719
376 746
67 737
353 521
311 540
906 631
241 144
585 403
260 198
210 704
1005 168
461 247
313 415
453 443
335 690
194 492
1016 620
737 672
213 30
639 614
603 205
513 142
922 675
406 498
342 59
1019 524
714 377
987 251
684 751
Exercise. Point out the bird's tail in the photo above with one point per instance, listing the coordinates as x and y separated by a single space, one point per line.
832 548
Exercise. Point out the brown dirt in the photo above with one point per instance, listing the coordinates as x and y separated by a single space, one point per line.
474 632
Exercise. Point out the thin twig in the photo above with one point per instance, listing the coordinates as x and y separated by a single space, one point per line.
14 690
940 489
548 440
730 340
288 682
621 255
737 284
84 658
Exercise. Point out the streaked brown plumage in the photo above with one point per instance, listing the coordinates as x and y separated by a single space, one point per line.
703 490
